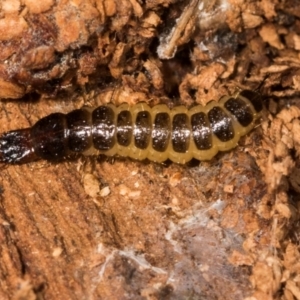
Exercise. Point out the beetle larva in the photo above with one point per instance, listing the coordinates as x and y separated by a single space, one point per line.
139 132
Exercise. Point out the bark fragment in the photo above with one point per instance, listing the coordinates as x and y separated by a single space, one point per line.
97 229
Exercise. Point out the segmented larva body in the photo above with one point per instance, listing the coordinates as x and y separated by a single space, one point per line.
139 132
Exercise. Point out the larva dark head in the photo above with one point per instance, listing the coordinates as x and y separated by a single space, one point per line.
254 97
15 147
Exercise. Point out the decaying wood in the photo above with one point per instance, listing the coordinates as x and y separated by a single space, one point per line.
94 228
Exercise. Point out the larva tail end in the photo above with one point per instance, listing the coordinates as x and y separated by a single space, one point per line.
15 147
255 98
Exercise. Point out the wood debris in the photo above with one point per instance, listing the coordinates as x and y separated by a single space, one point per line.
101 229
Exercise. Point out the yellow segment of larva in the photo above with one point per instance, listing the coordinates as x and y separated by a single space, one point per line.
114 150
180 158
238 128
123 150
136 152
154 155
202 154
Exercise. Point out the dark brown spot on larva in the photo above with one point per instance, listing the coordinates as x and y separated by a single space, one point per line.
124 128
161 132
240 110
80 134
180 133
49 137
103 128
142 130
201 131
221 124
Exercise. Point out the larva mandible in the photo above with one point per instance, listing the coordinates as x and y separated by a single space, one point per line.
139 132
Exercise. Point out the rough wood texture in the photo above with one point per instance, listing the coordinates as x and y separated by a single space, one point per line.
94 228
